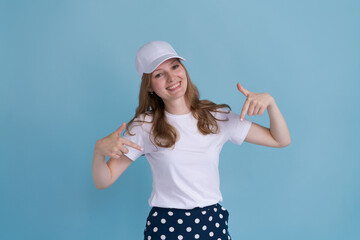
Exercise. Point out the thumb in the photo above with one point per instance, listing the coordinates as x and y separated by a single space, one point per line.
242 90
120 129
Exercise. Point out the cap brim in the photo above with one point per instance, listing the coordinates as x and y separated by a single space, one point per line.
159 61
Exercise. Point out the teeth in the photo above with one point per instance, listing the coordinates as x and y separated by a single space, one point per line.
174 86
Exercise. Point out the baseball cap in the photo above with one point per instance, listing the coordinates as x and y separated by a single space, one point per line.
152 54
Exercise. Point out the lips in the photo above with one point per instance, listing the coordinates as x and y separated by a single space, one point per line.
174 86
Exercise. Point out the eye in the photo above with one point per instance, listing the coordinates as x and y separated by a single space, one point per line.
157 75
176 66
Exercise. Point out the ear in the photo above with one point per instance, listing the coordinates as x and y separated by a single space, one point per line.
150 89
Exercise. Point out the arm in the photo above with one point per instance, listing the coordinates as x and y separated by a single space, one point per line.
113 146
105 174
278 127
278 134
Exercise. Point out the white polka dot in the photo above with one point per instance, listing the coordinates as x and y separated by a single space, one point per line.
188 229
223 208
211 234
203 212
163 220
148 223
197 236
226 222
224 231
155 214
204 228
229 237
215 209
149 237
220 215
180 237
171 229
155 229
180 221
170 213
187 214
197 220
163 237
210 218
219 239
217 225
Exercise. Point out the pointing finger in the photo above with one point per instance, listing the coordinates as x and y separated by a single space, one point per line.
244 110
132 144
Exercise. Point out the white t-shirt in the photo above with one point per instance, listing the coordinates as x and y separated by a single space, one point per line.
187 175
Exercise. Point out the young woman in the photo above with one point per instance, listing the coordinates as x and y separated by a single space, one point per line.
181 137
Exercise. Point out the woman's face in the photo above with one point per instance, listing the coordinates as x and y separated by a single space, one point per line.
169 80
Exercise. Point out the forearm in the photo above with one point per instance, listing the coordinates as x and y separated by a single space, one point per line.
278 127
100 171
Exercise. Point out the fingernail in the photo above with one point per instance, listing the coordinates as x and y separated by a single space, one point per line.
241 119
142 149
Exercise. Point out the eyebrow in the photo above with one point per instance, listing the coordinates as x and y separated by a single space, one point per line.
170 63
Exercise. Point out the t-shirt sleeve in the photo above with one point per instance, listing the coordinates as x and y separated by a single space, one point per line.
236 129
138 138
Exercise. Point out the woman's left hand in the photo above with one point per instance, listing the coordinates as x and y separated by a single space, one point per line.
256 103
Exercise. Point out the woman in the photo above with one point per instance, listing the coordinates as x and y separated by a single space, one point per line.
182 136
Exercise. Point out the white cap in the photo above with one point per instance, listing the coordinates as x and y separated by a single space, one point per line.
152 54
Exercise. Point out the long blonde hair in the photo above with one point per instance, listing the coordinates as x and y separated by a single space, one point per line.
164 134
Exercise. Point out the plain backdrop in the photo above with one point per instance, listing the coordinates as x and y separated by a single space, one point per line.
68 78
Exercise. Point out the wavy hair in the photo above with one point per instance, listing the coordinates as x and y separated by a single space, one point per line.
165 135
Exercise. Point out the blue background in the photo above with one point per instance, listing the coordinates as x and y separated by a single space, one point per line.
68 78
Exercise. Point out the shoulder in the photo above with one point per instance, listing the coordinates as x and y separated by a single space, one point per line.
222 113
141 123
143 118
146 117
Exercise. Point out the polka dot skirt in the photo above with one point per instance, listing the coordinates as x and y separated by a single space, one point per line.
210 222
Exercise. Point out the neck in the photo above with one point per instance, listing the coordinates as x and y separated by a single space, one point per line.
177 107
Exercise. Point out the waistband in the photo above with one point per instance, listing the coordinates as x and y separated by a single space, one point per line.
216 205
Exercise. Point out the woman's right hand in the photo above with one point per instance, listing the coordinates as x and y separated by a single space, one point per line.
113 145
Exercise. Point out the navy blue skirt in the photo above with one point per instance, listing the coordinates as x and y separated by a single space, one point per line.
210 222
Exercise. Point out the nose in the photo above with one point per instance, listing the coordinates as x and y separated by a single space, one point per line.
170 77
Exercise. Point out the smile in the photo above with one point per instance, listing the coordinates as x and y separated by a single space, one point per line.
175 86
